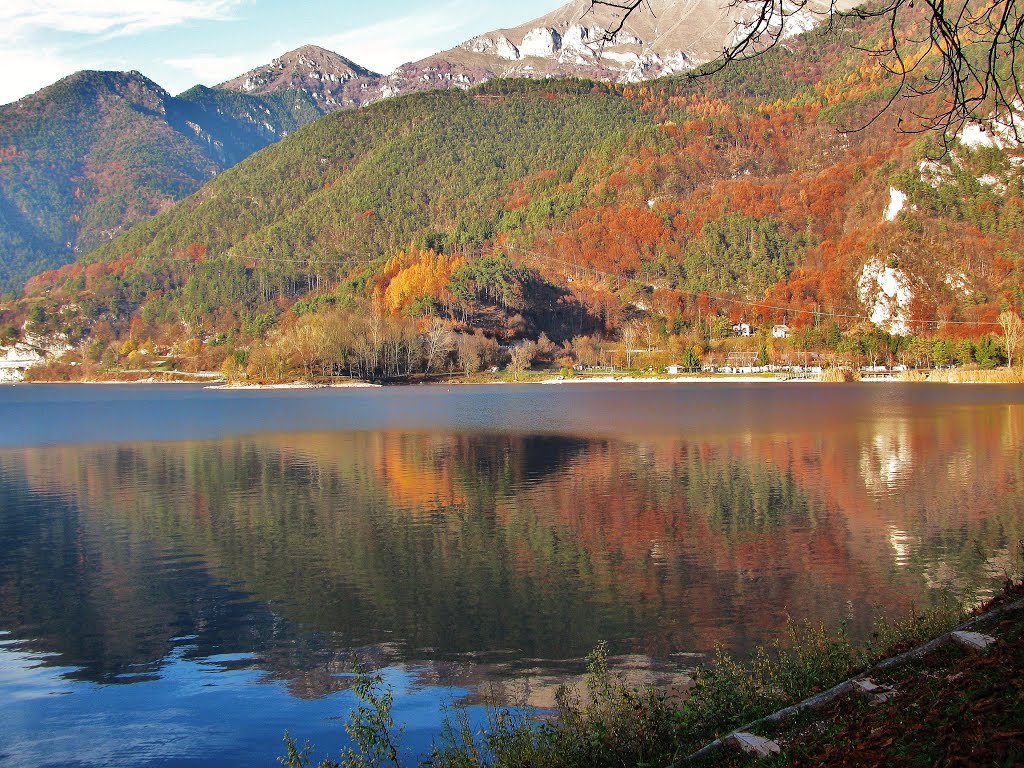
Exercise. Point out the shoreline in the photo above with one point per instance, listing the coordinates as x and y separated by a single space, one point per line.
725 379
554 380
294 385
557 381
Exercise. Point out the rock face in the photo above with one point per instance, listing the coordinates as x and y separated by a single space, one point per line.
887 292
662 37
30 352
332 81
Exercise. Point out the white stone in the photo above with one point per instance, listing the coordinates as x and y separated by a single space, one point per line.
934 174
626 58
799 22
993 182
500 46
958 282
507 50
679 61
974 641
578 37
750 744
867 686
974 135
573 56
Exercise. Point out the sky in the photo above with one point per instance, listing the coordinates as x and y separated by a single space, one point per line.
179 43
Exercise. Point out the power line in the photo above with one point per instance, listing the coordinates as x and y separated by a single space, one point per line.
368 259
742 302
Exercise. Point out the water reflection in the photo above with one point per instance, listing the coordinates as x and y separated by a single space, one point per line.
490 556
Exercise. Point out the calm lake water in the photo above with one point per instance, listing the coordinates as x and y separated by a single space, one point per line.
186 573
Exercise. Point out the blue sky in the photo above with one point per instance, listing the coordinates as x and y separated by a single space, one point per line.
179 43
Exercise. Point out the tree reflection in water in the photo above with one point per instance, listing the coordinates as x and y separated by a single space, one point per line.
487 556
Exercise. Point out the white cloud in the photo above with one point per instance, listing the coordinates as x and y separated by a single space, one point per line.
19 19
212 69
42 41
26 70
386 45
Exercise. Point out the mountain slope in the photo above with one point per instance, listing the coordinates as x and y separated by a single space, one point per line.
97 152
85 157
420 163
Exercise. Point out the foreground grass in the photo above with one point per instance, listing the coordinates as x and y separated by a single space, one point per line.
608 723
952 707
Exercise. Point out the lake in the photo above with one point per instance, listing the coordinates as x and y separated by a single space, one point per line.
186 573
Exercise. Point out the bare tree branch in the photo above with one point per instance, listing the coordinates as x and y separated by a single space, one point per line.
962 67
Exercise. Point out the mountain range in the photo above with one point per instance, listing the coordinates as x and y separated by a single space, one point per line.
88 157
777 191
661 37
571 208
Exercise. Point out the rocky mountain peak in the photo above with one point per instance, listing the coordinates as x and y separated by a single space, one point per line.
332 80
662 37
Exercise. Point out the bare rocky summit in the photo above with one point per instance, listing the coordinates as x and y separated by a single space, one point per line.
331 80
663 37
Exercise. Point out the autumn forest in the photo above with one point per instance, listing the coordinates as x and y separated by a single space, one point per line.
570 223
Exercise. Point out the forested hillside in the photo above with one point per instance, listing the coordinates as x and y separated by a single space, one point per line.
423 232
93 154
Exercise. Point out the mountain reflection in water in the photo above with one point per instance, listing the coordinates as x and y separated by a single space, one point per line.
474 554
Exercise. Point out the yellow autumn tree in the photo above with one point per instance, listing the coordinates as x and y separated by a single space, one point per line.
427 274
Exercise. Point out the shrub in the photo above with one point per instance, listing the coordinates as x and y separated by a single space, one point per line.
609 723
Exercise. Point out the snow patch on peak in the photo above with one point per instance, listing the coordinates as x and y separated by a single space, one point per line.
887 292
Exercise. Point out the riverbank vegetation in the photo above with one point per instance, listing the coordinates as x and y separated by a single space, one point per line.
607 722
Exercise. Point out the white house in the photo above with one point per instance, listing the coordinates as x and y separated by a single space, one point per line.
675 370
780 332
741 329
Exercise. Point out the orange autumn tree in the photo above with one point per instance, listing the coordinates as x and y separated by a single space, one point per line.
413 275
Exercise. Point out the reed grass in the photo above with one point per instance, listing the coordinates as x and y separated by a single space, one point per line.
912 377
968 376
838 375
